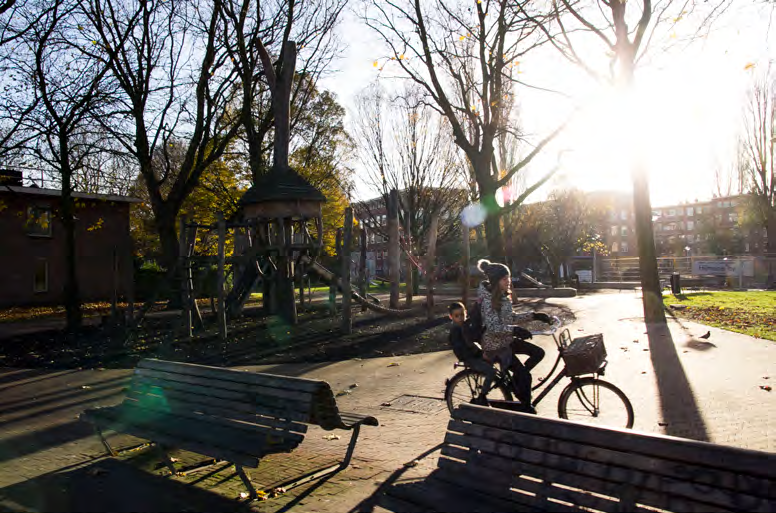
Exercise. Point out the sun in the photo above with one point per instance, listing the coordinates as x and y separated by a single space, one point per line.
680 125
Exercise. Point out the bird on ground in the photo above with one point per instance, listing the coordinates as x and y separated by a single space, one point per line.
706 336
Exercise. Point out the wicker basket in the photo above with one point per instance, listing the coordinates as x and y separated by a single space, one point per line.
585 355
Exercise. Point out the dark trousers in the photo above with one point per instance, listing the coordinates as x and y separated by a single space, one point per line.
522 371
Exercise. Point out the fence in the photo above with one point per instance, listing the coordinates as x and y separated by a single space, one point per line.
732 271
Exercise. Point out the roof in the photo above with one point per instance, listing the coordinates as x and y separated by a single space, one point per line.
281 184
37 191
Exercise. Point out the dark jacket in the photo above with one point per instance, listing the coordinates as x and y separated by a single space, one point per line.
464 348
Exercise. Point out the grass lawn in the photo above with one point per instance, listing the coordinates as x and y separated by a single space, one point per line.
752 313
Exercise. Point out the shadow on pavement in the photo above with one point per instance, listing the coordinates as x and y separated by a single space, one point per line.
41 439
678 406
116 486
379 498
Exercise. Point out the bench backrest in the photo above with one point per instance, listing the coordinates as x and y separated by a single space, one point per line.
560 465
280 403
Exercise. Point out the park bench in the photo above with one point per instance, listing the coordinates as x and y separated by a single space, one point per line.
225 414
497 460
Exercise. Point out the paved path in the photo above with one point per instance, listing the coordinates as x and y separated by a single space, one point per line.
707 390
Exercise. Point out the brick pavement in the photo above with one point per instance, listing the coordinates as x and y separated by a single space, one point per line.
703 390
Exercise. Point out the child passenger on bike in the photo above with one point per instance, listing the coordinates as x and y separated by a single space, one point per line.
502 338
466 349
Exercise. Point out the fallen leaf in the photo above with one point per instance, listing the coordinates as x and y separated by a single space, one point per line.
410 464
331 437
243 495
767 388
354 385
343 392
393 364
385 404
662 424
85 386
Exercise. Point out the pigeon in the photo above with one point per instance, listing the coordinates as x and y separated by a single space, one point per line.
706 336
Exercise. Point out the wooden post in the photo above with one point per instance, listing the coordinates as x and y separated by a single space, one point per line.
393 247
221 306
466 255
430 261
408 241
347 237
362 279
184 265
285 281
333 282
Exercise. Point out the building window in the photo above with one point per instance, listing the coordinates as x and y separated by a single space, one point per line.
614 230
690 211
624 215
690 225
733 217
615 247
624 247
38 221
40 278
624 231
699 210
690 238
746 247
672 212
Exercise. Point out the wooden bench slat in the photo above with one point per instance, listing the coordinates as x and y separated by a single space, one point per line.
653 445
576 467
242 409
237 376
175 441
492 485
514 483
197 430
618 489
255 423
247 396
303 398
702 475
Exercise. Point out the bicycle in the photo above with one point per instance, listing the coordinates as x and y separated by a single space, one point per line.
586 399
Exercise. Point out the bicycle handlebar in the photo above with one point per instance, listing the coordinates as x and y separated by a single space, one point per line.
556 324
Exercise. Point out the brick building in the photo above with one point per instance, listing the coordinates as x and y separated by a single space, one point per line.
32 253
698 228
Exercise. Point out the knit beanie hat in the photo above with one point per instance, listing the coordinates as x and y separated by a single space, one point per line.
494 271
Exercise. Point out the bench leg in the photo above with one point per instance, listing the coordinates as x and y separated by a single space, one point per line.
351 447
247 482
104 441
168 460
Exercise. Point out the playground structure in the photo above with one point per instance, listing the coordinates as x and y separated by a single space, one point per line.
277 238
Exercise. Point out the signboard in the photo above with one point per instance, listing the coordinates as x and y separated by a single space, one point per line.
722 267
585 276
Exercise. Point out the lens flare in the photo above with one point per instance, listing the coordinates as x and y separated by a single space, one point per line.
473 215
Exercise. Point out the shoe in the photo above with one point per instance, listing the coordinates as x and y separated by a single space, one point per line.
527 408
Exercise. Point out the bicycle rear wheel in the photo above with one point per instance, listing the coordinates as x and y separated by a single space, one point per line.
466 386
595 401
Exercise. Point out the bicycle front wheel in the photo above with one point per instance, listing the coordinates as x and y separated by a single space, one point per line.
466 387
595 401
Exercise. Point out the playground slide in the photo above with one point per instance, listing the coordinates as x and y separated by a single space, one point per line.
327 276
534 281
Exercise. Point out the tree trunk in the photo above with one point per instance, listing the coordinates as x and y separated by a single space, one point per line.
430 261
410 288
393 248
73 312
168 238
493 235
650 280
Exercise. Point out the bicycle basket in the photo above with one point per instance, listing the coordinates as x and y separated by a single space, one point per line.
584 355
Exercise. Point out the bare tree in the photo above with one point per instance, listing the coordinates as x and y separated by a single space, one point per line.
405 145
258 39
73 92
759 141
176 87
465 58
624 32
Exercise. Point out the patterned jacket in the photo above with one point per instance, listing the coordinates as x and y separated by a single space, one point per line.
498 324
